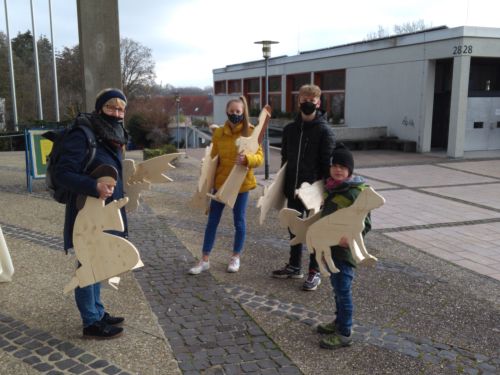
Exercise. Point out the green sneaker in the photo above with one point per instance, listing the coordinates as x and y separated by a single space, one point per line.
328 328
335 341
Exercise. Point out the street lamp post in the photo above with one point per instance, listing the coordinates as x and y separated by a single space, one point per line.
266 52
177 103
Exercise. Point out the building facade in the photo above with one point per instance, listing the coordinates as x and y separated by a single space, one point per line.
439 87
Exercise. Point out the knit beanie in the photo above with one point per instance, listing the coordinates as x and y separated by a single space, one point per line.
341 155
106 95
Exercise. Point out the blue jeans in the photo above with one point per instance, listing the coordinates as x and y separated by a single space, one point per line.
88 301
239 219
342 287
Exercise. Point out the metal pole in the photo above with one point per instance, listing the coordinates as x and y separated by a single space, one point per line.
186 138
37 70
11 71
266 134
177 102
54 68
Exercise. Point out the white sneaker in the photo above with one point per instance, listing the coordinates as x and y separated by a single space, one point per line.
200 267
234 265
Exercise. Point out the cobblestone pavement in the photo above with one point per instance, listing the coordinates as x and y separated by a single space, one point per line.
415 313
47 354
208 331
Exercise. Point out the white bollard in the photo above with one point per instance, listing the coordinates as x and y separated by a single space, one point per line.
6 267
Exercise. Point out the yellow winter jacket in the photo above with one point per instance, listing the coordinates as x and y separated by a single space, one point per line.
224 145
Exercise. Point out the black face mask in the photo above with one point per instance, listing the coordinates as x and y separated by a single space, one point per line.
234 118
307 108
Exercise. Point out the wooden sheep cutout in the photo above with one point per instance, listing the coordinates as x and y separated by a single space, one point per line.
228 192
6 267
200 199
323 233
102 255
273 196
140 176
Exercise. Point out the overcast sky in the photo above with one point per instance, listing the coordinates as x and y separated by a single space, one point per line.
190 38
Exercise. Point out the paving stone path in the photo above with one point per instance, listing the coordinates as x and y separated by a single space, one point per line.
204 321
49 355
207 329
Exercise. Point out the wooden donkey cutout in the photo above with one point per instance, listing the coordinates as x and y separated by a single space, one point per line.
102 255
228 192
347 222
140 176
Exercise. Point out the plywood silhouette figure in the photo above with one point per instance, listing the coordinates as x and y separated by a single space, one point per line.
101 255
6 267
290 218
228 192
311 195
273 196
323 233
200 199
139 176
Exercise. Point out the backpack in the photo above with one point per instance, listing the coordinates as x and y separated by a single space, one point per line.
58 137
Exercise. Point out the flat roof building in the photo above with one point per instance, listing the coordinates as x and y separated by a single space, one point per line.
438 87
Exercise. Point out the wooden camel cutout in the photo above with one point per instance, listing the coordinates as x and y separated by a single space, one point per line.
322 233
273 196
102 255
206 181
6 267
228 192
140 176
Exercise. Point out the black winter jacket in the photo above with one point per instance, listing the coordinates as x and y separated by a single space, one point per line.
306 147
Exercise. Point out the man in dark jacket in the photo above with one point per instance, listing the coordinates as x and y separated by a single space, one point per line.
107 124
306 147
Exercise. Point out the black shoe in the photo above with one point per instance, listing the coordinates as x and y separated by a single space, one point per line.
101 331
112 320
288 272
312 282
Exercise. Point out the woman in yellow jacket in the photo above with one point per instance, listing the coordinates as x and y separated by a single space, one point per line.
224 145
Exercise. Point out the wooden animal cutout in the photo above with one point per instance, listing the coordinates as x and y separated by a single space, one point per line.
311 195
273 196
347 222
228 192
6 267
102 255
290 218
200 199
140 176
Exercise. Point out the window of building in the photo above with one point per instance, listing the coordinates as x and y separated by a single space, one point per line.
251 90
484 78
331 80
294 83
274 93
220 87
234 86
332 84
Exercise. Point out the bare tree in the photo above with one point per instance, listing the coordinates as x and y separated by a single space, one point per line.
410 27
137 67
404 28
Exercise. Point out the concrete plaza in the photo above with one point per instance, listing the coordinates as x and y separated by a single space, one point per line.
431 305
